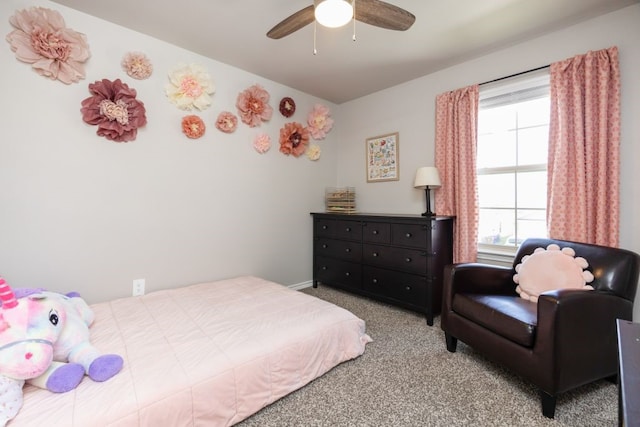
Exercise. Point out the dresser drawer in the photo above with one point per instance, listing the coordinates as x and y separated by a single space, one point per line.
409 260
337 272
351 230
376 232
336 228
413 235
324 227
404 287
343 249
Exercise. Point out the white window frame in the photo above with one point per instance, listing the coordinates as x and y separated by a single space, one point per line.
511 90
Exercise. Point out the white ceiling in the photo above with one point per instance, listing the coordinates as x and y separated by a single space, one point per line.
446 32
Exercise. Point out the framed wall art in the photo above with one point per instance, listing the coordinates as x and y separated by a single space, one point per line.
382 158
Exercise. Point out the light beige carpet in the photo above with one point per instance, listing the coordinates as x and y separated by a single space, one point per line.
406 377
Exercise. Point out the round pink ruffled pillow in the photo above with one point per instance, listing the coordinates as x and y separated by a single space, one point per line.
550 269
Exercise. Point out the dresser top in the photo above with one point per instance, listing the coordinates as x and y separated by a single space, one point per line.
366 215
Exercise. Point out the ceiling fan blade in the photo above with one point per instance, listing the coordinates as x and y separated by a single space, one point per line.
293 23
384 15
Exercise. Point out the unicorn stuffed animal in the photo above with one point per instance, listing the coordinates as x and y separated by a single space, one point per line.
73 344
29 327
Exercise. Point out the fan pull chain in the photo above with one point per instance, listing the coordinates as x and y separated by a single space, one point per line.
315 25
354 20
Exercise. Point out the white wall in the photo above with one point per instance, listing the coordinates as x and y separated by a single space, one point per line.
78 212
410 110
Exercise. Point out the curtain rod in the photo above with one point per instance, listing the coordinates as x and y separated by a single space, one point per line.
516 74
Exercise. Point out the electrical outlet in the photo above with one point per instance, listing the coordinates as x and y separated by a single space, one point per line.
138 287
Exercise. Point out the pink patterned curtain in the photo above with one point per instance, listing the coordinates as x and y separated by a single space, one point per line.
455 158
584 156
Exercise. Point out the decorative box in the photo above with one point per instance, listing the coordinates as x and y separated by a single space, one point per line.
340 199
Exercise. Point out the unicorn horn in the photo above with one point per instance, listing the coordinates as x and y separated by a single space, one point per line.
7 296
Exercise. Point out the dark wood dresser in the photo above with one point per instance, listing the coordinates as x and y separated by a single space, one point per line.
397 259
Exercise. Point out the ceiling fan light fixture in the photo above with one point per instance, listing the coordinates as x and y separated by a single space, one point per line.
333 13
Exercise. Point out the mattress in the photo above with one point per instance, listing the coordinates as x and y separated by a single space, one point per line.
207 354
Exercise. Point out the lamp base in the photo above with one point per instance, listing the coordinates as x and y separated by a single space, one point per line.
428 197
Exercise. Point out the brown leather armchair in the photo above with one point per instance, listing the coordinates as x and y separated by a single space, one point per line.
566 340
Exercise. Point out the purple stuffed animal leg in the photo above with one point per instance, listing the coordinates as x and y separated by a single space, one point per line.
99 367
59 377
104 367
65 377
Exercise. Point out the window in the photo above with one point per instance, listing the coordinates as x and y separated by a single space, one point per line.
513 136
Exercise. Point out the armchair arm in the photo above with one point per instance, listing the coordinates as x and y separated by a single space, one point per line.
577 332
476 278
479 278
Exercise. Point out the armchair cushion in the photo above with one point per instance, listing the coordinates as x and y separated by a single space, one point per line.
551 269
509 316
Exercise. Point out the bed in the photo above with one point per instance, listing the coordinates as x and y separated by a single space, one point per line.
207 354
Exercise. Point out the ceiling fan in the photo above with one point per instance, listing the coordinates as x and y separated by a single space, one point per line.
373 12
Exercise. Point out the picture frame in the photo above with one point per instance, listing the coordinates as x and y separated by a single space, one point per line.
382 158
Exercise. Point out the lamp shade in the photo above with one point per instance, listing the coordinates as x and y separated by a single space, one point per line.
427 176
333 13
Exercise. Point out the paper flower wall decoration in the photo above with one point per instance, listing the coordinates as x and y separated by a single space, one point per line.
41 39
189 87
227 122
137 65
253 106
262 143
313 152
113 107
294 139
287 107
193 126
319 121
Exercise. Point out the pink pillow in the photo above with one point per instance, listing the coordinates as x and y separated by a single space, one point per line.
550 269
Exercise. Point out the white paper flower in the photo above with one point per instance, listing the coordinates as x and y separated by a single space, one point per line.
313 152
189 87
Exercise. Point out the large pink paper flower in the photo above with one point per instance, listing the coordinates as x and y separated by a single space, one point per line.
253 106
42 40
113 107
293 139
319 121
189 87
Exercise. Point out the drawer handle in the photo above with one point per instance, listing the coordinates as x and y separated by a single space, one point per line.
348 228
324 267
408 235
347 250
375 231
324 246
347 274
407 288
375 254
407 259
324 227
374 281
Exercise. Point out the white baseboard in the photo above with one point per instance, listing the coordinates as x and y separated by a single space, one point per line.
298 286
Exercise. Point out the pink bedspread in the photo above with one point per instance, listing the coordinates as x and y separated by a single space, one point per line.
209 354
